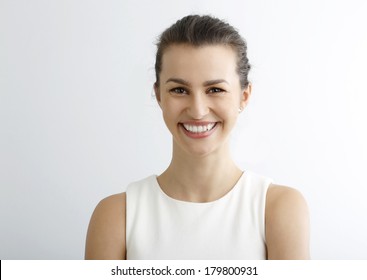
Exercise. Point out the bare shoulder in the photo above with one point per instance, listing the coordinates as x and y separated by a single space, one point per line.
106 231
287 224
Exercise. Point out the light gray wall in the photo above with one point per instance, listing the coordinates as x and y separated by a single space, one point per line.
78 121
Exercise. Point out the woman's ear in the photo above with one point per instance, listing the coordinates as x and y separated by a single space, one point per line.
245 97
157 93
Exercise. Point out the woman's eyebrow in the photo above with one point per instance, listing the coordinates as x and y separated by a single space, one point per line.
214 82
178 81
206 83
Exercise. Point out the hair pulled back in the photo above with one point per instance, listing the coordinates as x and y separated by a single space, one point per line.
204 30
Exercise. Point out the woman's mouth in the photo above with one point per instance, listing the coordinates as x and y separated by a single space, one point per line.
199 130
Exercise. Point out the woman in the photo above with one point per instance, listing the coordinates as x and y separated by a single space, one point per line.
202 206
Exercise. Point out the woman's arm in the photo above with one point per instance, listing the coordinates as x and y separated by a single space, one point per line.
106 231
287 224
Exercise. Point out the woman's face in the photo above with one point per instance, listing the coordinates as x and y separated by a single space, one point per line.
200 96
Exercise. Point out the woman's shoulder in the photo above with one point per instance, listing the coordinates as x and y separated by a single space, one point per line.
112 206
114 200
287 223
284 202
279 195
106 231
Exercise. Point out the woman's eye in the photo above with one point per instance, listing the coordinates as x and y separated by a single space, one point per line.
178 91
215 90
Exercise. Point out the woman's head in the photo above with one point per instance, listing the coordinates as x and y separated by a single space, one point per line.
201 31
202 83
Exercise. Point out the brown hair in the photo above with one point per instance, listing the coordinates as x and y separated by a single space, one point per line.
204 30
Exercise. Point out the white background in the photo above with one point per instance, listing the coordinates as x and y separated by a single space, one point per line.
78 121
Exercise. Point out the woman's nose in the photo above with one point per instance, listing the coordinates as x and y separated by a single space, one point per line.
198 107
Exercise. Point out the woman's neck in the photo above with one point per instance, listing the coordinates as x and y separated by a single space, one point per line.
199 178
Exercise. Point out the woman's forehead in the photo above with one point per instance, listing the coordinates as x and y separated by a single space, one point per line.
177 51
214 61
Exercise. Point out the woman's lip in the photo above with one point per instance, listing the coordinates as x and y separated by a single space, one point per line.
197 135
197 122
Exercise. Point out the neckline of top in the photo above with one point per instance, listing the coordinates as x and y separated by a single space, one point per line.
184 202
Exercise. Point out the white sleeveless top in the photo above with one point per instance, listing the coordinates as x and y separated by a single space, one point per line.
232 227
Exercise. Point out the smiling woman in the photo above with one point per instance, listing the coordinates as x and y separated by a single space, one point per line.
203 206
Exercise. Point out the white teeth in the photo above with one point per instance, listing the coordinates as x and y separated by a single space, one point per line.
199 128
